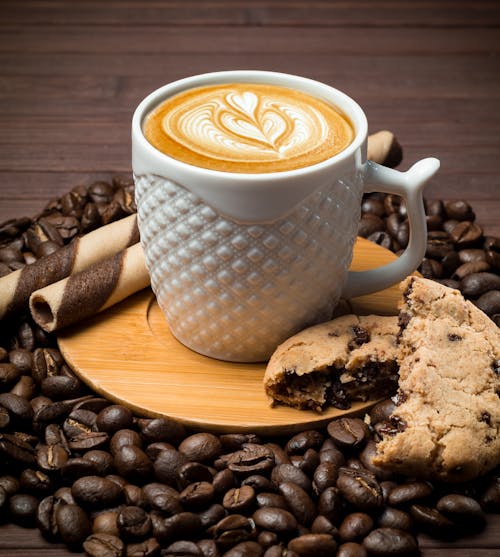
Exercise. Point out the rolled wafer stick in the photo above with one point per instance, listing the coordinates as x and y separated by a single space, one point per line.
383 147
102 243
83 294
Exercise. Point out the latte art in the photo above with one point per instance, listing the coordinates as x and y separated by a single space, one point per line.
248 128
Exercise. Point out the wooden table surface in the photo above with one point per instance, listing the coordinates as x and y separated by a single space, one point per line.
72 72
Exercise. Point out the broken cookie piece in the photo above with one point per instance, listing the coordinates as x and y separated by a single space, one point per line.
446 424
352 358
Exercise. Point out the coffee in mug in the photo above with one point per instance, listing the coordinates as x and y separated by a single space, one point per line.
248 127
248 237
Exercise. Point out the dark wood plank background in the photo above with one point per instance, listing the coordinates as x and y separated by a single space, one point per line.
72 72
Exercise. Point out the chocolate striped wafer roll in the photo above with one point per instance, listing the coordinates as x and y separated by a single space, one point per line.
100 286
102 243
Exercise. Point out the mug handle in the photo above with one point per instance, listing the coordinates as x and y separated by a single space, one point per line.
409 185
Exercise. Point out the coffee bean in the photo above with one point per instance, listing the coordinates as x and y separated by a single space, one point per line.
394 518
301 442
276 520
232 530
268 499
21 358
106 523
279 551
462 509
59 387
102 461
9 484
162 429
450 262
321 525
348 432
9 374
490 499
373 205
88 441
361 489
113 418
25 387
299 502
134 523
211 515
225 480
382 411
162 498
73 525
313 545
104 545
201 447
122 438
167 466
351 549
75 468
251 459
476 284
78 422
208 548
96 492
432 521
439 244
390 541
468 268
459 210
192 472
493 259
35 482
45 516
383 239
23 508
289 473
466 233
154 449
147 548
199 495
280 455
182 548
239 499
235 441
133 464
355 527
19 408
370 224
489 302
366 457
331 504
409 492
180 526
16 450
325 475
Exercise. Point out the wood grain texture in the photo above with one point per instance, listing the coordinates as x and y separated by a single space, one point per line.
71 74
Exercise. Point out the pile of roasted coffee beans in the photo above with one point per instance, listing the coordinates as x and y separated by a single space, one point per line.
100 479
458 253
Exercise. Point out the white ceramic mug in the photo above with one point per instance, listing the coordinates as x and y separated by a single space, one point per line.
239 262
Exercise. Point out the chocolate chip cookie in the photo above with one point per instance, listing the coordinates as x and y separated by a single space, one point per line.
352 358
446 424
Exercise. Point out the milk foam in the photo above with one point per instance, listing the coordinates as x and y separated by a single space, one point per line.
246 126
249 124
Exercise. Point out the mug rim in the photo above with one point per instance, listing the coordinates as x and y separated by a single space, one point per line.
304 84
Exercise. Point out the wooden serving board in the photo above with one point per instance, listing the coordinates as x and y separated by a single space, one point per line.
129 355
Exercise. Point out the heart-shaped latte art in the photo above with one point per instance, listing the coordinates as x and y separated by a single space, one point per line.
247 126
250 124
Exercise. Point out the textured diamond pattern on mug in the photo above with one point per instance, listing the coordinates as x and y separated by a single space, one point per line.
229 287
